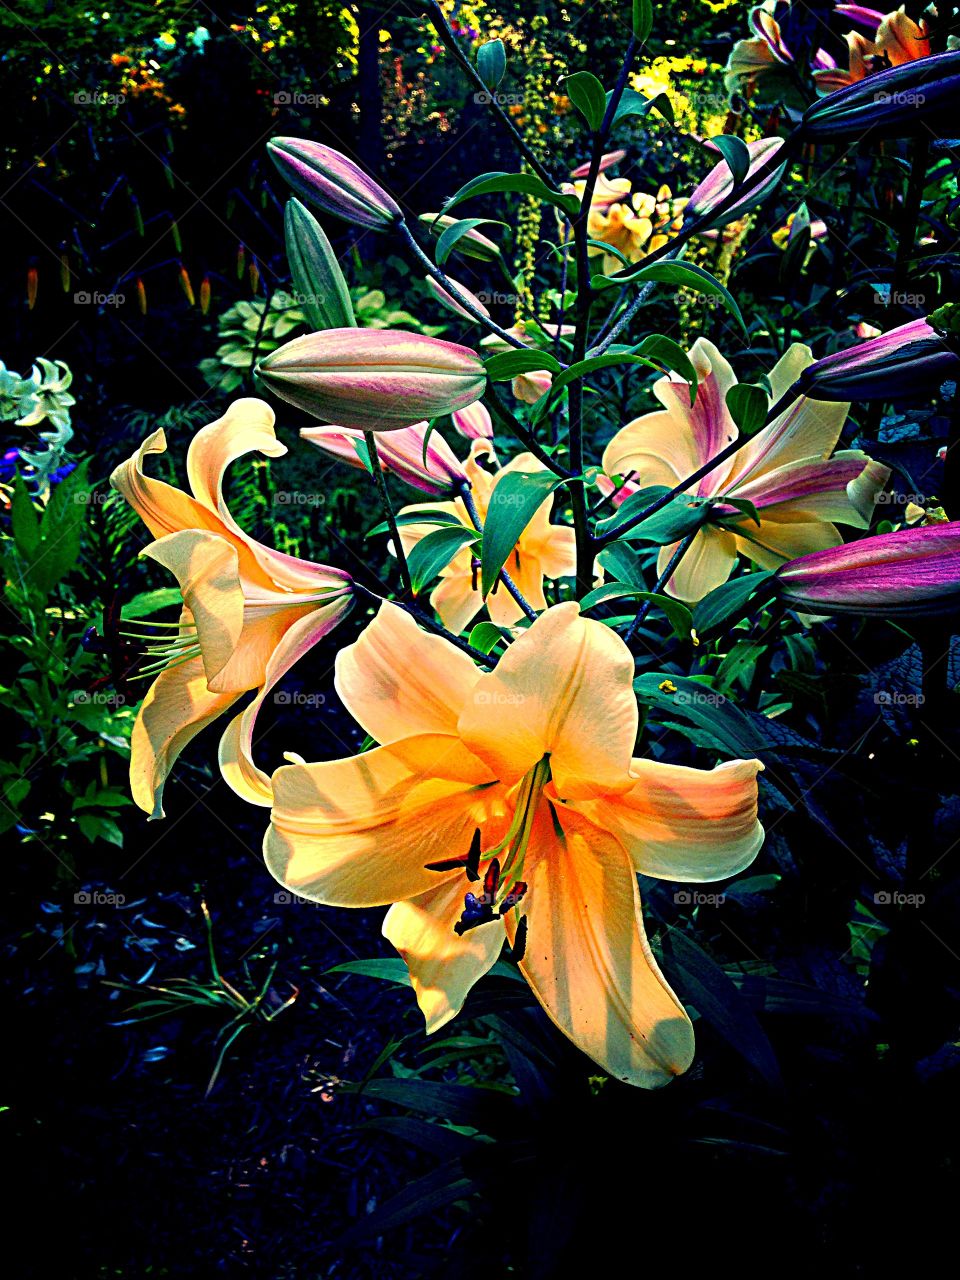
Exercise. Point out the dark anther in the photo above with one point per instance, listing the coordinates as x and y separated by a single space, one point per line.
491 881
473 857
520 941
447 864
513 897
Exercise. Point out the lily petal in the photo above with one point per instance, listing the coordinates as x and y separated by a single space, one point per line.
684 824
177 706
843 488
359 832
564 688
807 429
396 680
443 967
708 564
587 958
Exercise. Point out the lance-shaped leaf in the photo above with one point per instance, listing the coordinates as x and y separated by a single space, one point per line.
491 62
748 407
635 104
527 184
674 521
511 364
678 615
434 552
730 601
455 231
586 93
321 289
686 274
513 500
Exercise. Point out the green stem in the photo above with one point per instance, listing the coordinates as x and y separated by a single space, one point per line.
380 481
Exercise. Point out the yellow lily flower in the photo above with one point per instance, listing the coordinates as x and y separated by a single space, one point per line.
544 550
249 612
509 795
799 487
636 229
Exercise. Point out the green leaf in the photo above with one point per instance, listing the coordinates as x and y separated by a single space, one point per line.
678 614
635 104
688 276
622 562
485 636
586 93
732 732
671 523
642 19
734 151
453 234
515 497
657 346
741 504
62 526
509 364
150 602
700 981
727 603
363 453
739 665
526 184
322 291
748 407
434 552
584 367
387 970
425 516
491 63
24 520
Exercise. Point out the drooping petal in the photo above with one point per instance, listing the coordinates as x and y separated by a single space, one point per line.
843 488
679 823
162 508
658 447
206 567
443 967
788 369
359 832
396 680
777 541
456 600
246 427
177 706
564 688
708 564
807 429
236 745
587 958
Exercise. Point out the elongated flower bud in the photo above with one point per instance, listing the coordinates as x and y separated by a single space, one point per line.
318 282
446 299
436 470
474 422
718 184
913 358
606 162
896 103
374 379
472 244
912 572
330 181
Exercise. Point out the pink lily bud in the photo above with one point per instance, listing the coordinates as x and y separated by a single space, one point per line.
474 422
446 299
472 245
332 182
374 379
911 572
718 183
606 162
401 452
911 358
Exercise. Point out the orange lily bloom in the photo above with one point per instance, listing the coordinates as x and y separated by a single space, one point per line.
544 550
800 488
249 612
506 795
